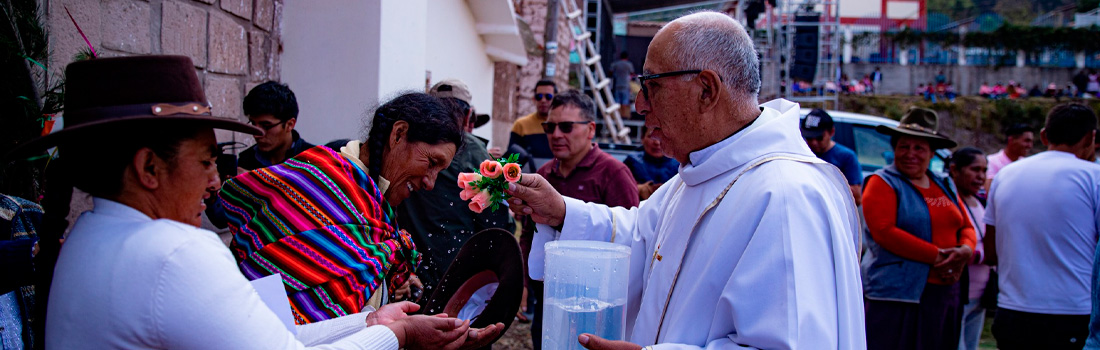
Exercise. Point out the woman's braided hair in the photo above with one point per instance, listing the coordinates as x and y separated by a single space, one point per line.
430 121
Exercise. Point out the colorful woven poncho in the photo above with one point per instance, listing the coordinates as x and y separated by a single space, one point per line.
321 222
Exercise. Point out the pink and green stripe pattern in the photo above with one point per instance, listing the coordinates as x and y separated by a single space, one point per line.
322 223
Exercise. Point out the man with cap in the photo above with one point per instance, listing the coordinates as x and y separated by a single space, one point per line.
1041 231
439 221
136 271
753 243
818 130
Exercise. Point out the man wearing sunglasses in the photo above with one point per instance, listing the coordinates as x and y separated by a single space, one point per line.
527 134
579 170
271 106
753 244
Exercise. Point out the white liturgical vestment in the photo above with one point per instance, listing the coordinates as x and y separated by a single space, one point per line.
772 266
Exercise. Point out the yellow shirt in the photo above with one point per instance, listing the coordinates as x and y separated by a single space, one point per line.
530 124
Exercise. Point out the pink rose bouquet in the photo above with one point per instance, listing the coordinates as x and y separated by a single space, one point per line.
485 188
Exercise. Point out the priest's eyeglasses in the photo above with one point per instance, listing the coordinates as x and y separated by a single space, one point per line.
645 78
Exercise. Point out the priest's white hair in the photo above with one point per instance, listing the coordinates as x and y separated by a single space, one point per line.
713 40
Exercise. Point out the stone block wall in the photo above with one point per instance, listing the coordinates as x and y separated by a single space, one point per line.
234 44
534 12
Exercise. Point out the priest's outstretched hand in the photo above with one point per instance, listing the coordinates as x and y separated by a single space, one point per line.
532 195
592 342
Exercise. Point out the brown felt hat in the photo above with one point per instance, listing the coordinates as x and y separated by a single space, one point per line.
922 123
481 119
491 256
107 92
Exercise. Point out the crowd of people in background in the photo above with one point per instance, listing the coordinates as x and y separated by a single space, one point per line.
934 251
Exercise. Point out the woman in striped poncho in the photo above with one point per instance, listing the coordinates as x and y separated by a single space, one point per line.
324 219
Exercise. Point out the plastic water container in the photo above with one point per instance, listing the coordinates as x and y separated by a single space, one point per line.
585 292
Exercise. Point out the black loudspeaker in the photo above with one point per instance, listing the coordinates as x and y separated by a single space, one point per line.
805 56
801 72
806 41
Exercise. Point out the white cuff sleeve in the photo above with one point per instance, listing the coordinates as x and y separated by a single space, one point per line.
576 226
372 338
331 330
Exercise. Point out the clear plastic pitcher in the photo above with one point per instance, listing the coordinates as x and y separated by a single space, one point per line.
585 292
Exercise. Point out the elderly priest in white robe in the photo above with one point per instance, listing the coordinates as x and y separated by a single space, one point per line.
753 244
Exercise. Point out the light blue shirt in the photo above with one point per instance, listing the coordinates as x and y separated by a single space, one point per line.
1045 209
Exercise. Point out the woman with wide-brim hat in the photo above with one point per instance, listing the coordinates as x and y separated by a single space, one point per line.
136 271
920 241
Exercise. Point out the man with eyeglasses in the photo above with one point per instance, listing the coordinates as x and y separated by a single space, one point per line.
818 130
753 245
579 170
271 106
527 134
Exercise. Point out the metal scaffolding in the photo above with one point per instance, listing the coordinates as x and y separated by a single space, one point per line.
799 45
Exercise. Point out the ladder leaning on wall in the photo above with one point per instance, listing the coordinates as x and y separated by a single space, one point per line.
594 75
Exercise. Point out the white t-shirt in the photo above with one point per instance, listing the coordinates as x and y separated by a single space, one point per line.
126 281
1045 209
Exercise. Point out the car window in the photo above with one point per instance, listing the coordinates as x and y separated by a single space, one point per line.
872 148
936 165
874 151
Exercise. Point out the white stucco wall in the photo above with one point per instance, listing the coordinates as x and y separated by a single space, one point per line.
455 50
342 57
860 8
873 9
402 46
334 77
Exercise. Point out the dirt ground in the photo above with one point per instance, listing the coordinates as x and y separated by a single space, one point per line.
518 337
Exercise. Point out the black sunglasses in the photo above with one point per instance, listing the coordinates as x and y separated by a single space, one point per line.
642 79
566 127
547 97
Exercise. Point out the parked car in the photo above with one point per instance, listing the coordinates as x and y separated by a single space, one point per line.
857 131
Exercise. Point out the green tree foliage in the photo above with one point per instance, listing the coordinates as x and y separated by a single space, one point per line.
954 9
1018 12
24 97
1009 37
1087 5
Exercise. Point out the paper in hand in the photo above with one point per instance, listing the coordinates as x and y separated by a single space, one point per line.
273 294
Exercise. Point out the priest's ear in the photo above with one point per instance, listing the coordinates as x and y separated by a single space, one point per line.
711 90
